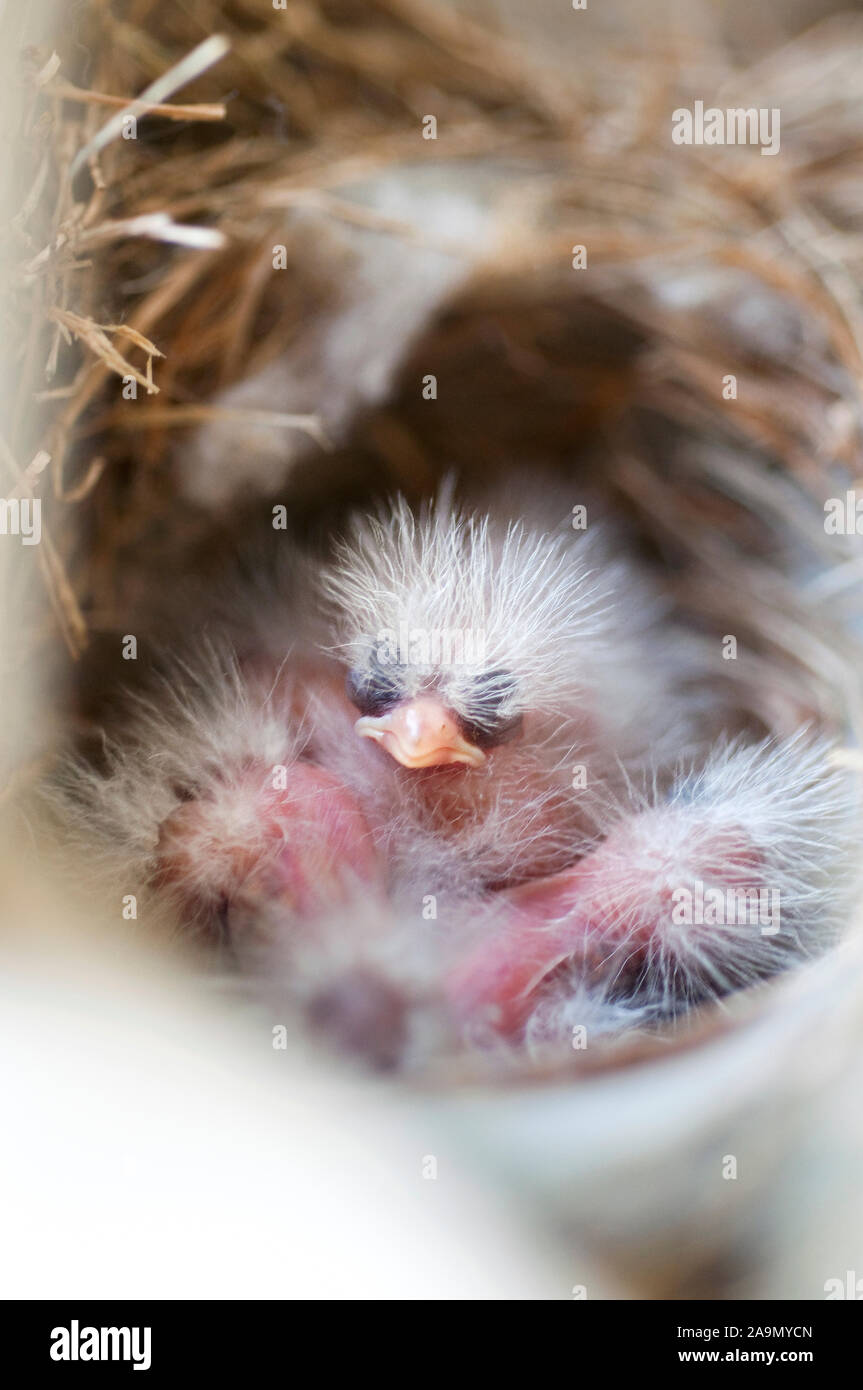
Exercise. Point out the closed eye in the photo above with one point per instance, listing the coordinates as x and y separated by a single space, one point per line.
373 689
491 716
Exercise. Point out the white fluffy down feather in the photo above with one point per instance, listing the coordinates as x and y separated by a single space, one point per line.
532 875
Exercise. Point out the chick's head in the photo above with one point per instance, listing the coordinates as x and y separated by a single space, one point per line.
459 630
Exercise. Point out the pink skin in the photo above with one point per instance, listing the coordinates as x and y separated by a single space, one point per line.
327 841
308 848
546 921
306 844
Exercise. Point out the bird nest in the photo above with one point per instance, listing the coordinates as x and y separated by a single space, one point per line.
674 331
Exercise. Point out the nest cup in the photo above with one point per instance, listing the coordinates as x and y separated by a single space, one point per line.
672 331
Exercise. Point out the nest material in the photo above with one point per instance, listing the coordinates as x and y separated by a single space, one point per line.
151 259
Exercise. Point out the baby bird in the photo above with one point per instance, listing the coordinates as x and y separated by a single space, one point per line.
474 787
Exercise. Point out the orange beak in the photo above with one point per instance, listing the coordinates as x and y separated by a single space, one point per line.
421 733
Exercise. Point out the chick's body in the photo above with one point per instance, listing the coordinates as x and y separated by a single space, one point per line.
507 677
466 776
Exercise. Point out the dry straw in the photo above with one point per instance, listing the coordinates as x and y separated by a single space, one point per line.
150 258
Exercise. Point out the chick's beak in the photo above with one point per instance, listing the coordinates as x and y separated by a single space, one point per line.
421 733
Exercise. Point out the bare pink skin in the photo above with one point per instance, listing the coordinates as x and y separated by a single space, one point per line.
286 857
458 785
498 978
616 892
307 844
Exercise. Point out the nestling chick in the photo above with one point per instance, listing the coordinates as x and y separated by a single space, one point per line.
464 790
